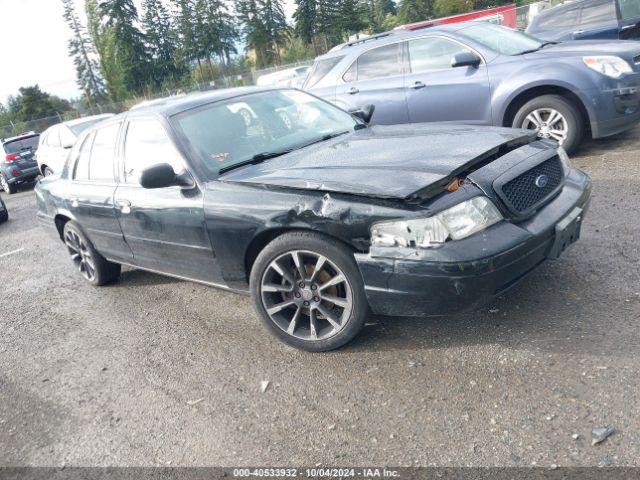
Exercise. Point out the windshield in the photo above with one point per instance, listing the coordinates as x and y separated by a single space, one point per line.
22 144
257 126
78 128
501 39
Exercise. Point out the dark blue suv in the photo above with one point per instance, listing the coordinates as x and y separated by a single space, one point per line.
588 20
17 161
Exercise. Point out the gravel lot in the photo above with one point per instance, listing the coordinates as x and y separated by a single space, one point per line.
155 371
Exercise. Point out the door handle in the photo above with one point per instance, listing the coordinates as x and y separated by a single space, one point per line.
417 85
628 27
125 206
74 203
353 91
578 32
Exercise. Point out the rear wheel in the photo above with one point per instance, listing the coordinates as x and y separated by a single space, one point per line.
93 267
553 117
4 214
6 186
308 291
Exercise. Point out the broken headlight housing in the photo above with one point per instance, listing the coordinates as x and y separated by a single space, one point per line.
455 223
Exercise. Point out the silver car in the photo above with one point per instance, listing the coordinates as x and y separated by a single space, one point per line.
56 141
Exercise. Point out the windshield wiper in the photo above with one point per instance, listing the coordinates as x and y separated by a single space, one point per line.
545 44
261 157
257 158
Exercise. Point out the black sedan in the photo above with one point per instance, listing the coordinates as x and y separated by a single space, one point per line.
321 218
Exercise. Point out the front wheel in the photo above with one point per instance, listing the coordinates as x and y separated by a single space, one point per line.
553 117
93 267
308 291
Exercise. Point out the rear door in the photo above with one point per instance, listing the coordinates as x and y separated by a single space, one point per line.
437 92
164 226
92 188
629 19
376 78
598 20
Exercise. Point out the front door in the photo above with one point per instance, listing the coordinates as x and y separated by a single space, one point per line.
165 226
437 92
93 186
376 78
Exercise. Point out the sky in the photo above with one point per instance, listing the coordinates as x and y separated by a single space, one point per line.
33 47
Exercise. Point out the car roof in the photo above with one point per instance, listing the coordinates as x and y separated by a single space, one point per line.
20 137
399 33
171 105
78 121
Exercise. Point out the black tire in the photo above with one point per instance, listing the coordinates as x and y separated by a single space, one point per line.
10 188
103 270
337 255
4 215
567 108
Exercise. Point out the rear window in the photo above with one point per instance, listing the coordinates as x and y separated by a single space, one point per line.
554 19
22 144
320 70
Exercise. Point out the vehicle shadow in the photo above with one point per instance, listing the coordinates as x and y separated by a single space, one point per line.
541 313
133 277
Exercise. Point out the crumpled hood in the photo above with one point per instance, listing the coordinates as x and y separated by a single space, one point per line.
624 48
383 161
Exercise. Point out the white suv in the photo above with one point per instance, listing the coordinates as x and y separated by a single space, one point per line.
56 141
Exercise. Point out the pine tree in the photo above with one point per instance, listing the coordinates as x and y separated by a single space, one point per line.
410 11
254 30
351 18
83 54
305 19
327 25
275 24
160 42
130 56
185 26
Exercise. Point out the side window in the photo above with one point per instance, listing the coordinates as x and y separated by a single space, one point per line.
428 54
569 18
598 13
103 153
53 137
148 144
351 75
380 62
81 170
66 137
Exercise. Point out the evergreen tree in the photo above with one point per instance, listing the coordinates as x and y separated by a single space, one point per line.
254 30
305 19
161 42
186 30
351 17
82 52
275 24
411 11
327 25
129 55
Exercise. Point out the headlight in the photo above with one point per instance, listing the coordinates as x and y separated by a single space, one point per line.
608 65
455 223
565 161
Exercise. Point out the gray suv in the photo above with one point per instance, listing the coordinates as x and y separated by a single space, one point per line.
17 163
484 74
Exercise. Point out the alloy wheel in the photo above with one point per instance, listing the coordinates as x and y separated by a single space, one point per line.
306 295
549 123
80 255
4 183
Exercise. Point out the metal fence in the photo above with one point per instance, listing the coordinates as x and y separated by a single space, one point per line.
524 15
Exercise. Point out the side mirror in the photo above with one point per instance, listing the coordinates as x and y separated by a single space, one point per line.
162 175
364 113
465 59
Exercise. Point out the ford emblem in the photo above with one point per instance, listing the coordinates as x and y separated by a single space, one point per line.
542 181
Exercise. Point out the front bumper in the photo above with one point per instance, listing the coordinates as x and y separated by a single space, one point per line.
614 107
468 273
25 175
